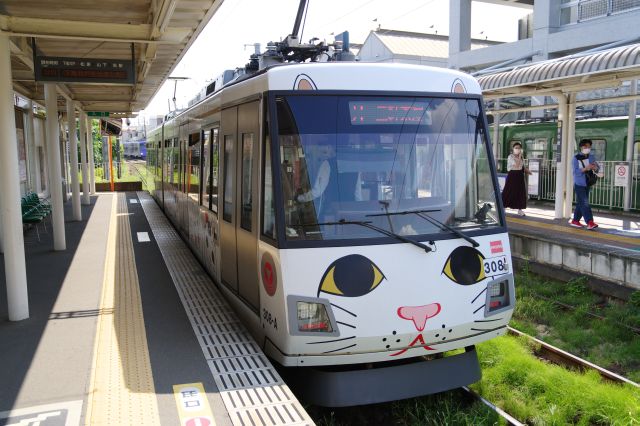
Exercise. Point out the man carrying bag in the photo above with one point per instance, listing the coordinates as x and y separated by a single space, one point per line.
584 177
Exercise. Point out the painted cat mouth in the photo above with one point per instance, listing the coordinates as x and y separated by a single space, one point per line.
419 339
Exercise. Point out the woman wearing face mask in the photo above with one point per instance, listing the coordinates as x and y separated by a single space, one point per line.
583 163
514 194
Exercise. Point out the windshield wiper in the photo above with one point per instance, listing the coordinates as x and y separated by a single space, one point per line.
423 214
380 230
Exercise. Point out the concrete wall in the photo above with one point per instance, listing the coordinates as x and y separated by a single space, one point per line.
620 266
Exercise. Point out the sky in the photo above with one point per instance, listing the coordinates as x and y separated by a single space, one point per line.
227 40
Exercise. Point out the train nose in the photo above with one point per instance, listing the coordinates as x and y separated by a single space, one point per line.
419 314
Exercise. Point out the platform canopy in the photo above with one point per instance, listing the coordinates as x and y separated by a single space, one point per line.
571 74
155 34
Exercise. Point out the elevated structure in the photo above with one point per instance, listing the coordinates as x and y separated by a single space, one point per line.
562 79
556 28
156 34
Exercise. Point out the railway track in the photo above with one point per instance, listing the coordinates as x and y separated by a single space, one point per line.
510 420
568 307
560 357
134 166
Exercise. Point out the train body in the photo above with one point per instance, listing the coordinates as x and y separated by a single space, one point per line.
609 136
135 149
350 214
609 147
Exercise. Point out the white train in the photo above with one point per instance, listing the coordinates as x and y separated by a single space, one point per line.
350 213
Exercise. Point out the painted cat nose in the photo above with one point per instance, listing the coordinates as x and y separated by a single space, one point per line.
419 314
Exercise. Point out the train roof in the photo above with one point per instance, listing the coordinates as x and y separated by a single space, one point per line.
342 76
369 76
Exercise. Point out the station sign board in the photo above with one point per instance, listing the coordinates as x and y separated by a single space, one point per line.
83 70
97 114
621 174
534 178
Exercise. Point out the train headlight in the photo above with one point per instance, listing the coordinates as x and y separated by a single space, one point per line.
310 316
313 317
500 295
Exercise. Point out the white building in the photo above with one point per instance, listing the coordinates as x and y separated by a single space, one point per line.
383 45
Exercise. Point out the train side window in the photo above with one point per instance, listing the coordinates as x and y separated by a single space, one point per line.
206 169
175 173
536 148
227 210
599 149
269 216
247 178
193 167
215 167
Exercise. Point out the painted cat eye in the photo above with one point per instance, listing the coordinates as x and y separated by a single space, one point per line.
351 276
464 266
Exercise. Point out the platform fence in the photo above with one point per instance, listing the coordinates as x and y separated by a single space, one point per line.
605 193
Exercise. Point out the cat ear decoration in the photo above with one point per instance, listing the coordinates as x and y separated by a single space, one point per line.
304 82
351 276
465 266
458 86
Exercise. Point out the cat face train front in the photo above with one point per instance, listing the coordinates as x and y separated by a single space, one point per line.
394 301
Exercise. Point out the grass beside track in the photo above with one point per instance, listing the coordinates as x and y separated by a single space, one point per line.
448 408
537 392
604 342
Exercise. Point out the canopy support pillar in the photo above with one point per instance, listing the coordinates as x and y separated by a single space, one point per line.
10 208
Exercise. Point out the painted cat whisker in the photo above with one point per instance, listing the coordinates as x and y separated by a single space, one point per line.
331 341
340 349
344 323
476 298
343 309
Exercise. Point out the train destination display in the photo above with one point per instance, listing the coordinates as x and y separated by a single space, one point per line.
83 70
389 112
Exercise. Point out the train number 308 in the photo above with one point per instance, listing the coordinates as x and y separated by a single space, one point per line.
269 319
496 265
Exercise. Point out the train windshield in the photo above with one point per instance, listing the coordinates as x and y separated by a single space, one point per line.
384 161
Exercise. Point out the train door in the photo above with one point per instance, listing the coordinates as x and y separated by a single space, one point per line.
228 261
246 207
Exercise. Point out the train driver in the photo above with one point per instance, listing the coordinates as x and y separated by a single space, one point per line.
325 174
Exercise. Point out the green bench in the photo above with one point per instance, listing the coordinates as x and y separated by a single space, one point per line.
34 211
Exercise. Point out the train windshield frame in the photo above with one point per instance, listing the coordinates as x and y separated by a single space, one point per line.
348 163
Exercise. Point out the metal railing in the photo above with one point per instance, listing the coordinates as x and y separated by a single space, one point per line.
577 11
603 194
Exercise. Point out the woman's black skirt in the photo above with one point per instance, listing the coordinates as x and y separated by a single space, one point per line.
514 194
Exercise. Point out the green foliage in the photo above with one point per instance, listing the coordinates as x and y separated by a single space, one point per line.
447 408
604 342
634 300
577 287
537 392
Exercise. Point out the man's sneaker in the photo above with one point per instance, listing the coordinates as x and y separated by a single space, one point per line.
576 224
592 225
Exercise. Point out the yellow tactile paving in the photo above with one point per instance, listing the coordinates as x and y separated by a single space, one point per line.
122 391
580 232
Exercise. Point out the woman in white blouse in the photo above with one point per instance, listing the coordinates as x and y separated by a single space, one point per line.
514 194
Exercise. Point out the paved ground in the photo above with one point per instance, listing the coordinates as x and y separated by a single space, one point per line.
49 373
617 230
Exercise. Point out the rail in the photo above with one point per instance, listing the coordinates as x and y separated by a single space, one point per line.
605 193
560 357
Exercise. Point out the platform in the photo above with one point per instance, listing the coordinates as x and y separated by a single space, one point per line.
609 255
127 328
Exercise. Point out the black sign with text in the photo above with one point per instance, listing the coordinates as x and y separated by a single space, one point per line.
81 70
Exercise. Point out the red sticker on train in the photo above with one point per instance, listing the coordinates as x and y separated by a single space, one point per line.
268 273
